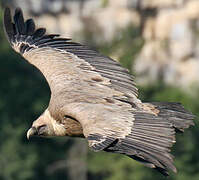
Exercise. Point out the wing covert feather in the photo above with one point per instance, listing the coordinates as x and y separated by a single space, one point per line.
103 120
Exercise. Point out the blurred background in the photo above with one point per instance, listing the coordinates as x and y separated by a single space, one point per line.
157 40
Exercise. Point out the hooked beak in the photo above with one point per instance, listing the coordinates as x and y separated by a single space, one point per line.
31 132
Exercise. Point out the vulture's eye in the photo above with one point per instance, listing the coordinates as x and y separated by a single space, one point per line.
41 130
69 117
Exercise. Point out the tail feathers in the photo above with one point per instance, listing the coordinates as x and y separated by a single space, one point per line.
176 114
149 142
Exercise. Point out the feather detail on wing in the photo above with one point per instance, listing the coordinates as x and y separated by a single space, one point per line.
102 123
44 50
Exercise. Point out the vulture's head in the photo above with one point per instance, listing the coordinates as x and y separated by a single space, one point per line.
46 125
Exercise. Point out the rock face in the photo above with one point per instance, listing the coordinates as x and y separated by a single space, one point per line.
171 44
170 29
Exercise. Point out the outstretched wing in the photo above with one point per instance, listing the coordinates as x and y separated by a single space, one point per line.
53 55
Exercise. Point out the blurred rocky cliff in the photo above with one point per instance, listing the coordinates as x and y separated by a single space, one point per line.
169 28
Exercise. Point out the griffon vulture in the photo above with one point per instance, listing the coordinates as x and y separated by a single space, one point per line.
93 97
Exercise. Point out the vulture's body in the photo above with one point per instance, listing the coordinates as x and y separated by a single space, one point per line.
92 96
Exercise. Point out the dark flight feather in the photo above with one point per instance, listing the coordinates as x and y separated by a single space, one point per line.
8 25
30 27
176 114
19 22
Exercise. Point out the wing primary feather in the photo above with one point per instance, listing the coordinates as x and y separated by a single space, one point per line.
19 22
30 27
39 33
61 42
40 40
9 27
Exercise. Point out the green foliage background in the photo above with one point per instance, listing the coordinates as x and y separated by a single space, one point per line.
24 95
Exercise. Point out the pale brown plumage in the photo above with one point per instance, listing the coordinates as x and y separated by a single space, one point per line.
92 96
